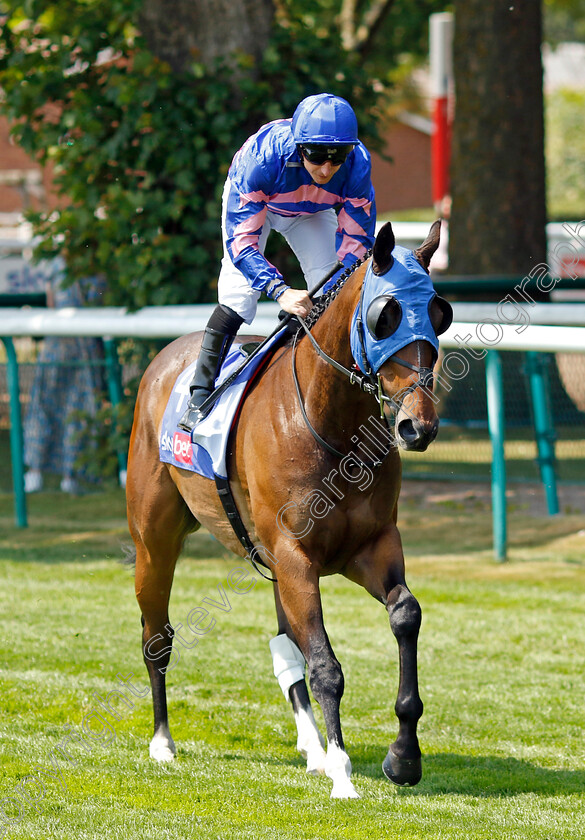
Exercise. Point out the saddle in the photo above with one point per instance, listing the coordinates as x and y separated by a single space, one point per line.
204 451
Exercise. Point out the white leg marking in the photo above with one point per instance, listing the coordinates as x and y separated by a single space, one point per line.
310 742
338 768
162 746
288 661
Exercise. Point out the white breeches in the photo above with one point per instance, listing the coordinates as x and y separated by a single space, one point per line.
310 237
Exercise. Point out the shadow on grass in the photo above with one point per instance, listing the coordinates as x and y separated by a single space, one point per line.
483 777
479 776
63 528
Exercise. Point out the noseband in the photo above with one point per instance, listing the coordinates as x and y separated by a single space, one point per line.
426 377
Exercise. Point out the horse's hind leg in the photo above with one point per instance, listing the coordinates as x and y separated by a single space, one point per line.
289 669
159 523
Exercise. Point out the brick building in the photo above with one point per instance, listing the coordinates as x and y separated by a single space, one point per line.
404 182
23 183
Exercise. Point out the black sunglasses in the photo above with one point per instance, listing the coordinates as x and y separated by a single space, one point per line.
320 154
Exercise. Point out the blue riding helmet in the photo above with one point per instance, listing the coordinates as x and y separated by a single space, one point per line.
394 311
325 118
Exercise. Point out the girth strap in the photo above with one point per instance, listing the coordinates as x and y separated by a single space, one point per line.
225 494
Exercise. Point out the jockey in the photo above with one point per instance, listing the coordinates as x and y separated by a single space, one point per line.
307 178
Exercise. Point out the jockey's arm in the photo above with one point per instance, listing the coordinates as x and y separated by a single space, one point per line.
357 216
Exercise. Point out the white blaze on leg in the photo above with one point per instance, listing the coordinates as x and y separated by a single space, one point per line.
289 668
310 742
338 768
162 746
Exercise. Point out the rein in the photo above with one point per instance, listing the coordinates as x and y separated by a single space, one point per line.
368 382
355 378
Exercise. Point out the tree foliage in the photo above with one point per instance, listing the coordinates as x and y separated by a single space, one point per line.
382 32
564 20
139 122
565 153
140 150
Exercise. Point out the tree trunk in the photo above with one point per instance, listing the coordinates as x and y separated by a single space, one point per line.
183 32
498 178
359 34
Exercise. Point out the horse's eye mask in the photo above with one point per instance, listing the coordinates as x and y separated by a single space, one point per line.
383 317
397 308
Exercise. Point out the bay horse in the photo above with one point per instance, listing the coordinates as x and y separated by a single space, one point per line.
316 479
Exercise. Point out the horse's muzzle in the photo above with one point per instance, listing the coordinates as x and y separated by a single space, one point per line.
415 435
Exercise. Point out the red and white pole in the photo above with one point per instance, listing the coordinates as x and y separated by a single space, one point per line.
441 59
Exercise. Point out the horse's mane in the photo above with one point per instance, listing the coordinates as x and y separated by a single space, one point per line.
322 302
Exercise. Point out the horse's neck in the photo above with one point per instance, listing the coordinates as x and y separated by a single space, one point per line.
332 330
329 397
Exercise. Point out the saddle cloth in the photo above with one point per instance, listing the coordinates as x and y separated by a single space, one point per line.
205 453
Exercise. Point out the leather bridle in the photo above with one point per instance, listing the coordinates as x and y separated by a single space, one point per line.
356 377
367 382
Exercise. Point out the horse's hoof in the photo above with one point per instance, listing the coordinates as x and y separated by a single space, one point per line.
344 789
405 772
162 749
316 761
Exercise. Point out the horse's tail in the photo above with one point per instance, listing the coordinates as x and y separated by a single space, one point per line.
129 558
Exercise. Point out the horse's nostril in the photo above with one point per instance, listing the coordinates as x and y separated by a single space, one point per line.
416 435
407 431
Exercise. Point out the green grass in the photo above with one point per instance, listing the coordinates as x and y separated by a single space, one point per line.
461 452
501 672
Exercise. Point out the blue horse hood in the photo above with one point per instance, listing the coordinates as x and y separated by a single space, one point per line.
408 282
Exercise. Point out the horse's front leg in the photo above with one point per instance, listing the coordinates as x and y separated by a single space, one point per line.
298 587
289 669
403 763
380 570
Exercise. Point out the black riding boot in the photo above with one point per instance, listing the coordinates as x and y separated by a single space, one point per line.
217 340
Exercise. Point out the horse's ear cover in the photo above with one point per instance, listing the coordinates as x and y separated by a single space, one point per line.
383 316
446 312
382 258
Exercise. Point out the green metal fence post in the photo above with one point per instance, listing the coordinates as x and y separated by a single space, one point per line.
496 423
543 427
16 436
115 391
